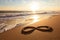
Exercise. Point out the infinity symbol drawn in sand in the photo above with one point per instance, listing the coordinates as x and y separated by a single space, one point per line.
30 29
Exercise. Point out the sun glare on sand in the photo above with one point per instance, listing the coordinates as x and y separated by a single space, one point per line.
34 6
35 18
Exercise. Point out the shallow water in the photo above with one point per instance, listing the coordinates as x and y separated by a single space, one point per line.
11 20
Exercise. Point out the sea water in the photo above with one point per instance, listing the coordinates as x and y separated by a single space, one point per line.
11 20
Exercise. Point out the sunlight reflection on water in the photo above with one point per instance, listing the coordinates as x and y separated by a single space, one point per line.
10 21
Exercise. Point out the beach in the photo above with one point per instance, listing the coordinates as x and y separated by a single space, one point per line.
15 34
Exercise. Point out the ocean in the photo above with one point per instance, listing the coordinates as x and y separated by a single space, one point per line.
11 20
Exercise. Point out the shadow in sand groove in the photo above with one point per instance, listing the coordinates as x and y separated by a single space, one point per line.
30 29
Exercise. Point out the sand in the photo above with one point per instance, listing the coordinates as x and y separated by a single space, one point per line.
15 34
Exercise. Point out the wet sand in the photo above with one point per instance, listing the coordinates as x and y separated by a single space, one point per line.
15 34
